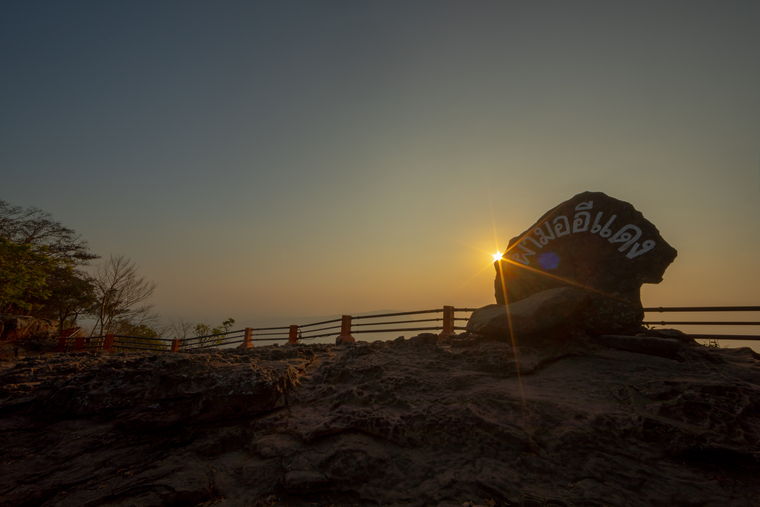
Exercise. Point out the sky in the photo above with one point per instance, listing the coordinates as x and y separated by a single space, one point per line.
306 158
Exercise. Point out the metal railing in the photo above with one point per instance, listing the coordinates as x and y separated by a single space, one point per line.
370 323
441 320
113 342
310 331
707 309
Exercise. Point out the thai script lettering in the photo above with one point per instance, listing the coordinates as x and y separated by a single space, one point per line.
627 236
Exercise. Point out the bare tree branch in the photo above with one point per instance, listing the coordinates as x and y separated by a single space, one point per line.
120 292
33 226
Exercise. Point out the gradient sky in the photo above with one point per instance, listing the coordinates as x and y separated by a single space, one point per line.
290 158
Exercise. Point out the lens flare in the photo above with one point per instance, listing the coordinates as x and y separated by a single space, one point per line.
496 256
548 260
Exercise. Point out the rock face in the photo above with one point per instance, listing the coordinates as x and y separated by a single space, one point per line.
19 327
408 422
591 242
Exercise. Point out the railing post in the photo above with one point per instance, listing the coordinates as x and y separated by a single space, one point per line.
175 345
66 334
293 335
79 343
247 344
448 322
345 331
108 343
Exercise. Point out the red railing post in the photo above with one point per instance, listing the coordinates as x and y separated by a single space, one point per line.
65 335
293 335
108 343
247 344
175 345
345 330
79 343
448 322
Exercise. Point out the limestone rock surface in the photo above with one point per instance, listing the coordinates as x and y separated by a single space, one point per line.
407 422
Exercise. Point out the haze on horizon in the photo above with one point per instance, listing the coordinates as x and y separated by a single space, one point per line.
267 160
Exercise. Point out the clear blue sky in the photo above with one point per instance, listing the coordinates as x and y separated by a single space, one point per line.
313 158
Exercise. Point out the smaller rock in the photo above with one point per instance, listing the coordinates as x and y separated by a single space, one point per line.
554 311
662 347
559 311
676 334
462 343
424 339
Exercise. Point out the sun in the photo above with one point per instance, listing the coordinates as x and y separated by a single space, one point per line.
497 256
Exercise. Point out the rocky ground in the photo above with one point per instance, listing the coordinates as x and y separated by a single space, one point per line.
408 422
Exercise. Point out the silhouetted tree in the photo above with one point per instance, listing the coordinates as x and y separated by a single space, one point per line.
143 333
71 294
203 329
55 289
23 276
120 293
35 227
178 329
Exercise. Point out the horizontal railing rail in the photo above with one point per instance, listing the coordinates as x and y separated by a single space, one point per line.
427 328
379 323
345 327
703 323
738 337
707 309
215 340
319 323
465 319
397 314
703 309
123 342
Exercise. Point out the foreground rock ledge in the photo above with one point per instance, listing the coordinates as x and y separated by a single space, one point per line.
409 422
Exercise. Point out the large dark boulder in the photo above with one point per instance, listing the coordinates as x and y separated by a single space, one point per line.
592 242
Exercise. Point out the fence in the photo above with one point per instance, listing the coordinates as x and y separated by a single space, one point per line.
441 320
708 309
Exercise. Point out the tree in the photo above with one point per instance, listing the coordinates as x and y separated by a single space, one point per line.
32 226
120 293
23 276
71 293
207 332
126 328
64 291
179 328
142 333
